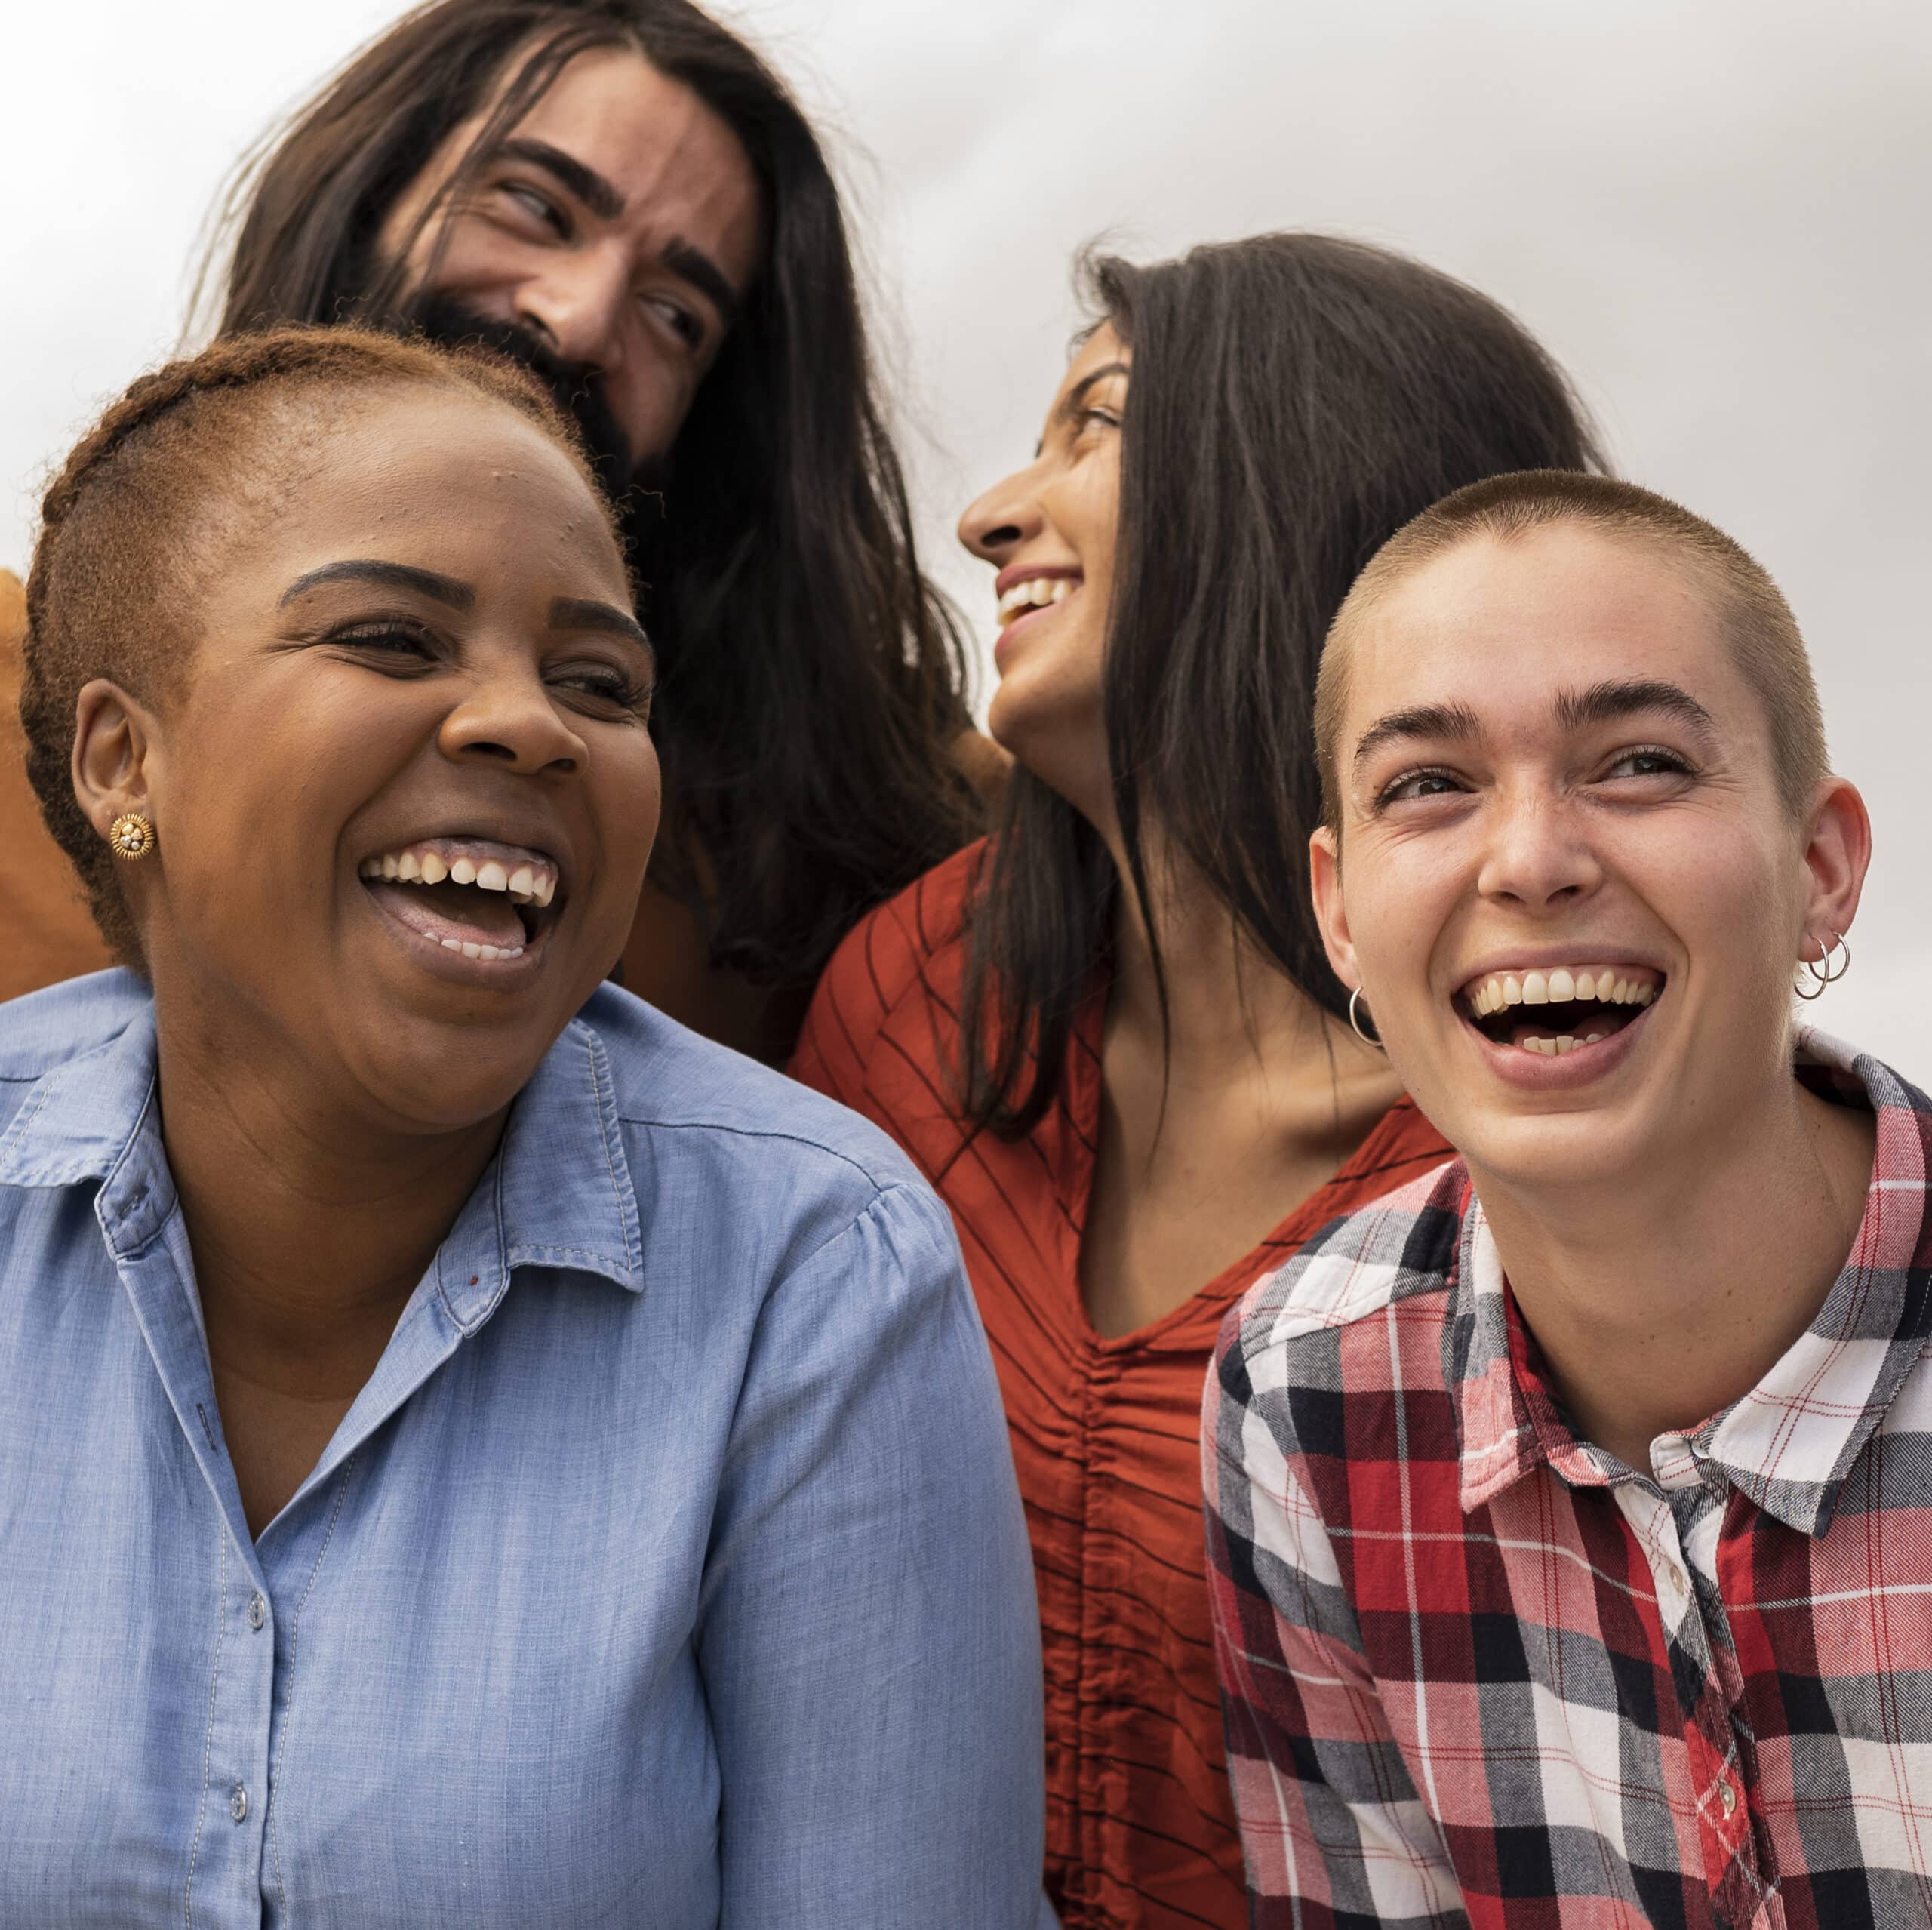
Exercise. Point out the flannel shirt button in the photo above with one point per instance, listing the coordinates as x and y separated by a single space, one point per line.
237 1803
258 1611
1728 1796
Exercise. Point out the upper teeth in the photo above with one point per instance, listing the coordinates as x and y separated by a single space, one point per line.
528 881
1607 985
1036 590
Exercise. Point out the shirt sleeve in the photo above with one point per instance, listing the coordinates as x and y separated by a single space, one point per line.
869 1639
1333 1833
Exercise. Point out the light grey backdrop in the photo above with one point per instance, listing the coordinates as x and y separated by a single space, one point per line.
1715 212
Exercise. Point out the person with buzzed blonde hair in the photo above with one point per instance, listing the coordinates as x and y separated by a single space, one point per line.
1566 1509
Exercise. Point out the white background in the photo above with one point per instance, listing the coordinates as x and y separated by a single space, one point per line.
1718 213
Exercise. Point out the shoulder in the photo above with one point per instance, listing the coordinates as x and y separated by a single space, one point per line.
702 1115
1353 1270
908 951
12 612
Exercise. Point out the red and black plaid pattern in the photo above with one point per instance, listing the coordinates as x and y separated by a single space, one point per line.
1476 1671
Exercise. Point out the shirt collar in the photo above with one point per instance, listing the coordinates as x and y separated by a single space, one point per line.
558 1194
1788 1443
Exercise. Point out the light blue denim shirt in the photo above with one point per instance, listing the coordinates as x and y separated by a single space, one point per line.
668 1572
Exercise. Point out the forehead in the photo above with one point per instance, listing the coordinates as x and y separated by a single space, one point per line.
1500 627
676 165
445 480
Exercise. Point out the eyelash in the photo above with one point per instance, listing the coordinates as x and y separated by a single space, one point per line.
1676 765
613 687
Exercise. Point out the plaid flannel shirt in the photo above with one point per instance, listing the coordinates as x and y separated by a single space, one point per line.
1476 1671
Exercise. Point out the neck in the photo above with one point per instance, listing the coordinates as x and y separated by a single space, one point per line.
309 1227
1658 1300
1230 1010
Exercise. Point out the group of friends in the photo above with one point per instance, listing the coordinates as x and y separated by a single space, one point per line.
631 1258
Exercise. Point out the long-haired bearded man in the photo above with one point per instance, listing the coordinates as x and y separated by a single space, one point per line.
620 195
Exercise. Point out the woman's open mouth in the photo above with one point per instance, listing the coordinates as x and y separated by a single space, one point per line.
1555 1012
481 900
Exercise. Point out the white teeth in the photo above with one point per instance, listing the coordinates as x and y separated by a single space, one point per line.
1536 989
434 870
1565 1044
546 889
1512 991
1586 985
410 867
523 882
390 867
450 944
470 951
491 876
1558 986
1591 1038
463 872
369 867
1035 593
1562 987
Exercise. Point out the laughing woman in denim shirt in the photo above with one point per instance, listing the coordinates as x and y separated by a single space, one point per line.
468 1455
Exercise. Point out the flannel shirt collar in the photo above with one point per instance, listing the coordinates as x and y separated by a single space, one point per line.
1788 1443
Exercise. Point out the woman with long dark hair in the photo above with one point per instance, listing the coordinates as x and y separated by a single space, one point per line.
622 195
1109 1036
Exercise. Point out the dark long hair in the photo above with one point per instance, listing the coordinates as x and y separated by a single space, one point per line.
1295 399
810 680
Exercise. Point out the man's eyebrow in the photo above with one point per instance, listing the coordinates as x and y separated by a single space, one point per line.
1455 721
1604 702
591 188
442 589
698 268
582 612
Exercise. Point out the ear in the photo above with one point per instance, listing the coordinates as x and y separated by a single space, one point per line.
113 738
1325 879
1837 850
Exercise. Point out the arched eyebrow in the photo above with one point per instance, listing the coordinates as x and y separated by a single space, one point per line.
582 612
1069 403
600 194
1456 721
446 590
1605 702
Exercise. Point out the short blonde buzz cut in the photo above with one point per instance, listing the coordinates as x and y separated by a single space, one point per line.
1758 626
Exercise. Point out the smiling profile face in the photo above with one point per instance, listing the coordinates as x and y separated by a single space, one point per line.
1567 884
404 797
618 222
1049 530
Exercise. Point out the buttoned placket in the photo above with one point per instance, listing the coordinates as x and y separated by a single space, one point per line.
260 1591
1683 1514
139 1217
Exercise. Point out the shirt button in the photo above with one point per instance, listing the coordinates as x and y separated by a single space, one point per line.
1728 1796
237 1803
258 1612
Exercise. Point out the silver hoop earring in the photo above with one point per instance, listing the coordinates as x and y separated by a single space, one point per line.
1354 1023
1823 972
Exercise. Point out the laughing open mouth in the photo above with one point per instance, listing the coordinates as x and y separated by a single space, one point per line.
486 900
1555 1011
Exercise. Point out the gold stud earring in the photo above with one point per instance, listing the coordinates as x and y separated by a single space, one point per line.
131 835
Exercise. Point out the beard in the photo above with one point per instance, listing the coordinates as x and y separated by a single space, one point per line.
574 386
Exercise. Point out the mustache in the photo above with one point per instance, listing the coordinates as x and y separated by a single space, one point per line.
576 387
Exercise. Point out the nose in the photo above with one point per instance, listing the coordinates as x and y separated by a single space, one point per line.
1006 516
578 306
509 720
1538 855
